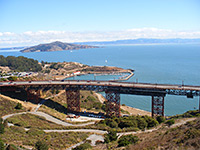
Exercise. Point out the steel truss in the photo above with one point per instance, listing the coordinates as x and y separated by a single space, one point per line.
33 95
157 105
188 93
73 100
112 104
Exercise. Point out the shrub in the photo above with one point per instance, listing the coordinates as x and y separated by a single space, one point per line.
18 106
127 123
1 128
35 132
41 145
111 123
11 147
160 119
170 122
91 98
2 147
111 136
142 124
151 121
83 146
12 78
127 139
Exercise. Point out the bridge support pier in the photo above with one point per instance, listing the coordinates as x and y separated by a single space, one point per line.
112 104
73 100
157 106
33 95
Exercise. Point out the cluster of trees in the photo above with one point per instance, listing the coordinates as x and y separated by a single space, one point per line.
123 140
20 63
134 122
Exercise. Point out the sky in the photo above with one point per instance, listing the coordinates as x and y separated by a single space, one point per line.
30 22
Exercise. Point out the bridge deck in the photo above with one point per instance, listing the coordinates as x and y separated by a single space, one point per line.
125 87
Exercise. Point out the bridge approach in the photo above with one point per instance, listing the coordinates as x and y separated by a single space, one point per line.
112 89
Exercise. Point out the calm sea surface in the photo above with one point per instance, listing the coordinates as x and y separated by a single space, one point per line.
171 64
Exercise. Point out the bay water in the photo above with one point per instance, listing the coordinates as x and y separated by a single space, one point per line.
170 64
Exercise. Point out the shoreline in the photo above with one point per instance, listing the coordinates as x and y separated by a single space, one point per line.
62 77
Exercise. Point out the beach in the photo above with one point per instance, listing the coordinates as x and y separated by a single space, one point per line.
131 110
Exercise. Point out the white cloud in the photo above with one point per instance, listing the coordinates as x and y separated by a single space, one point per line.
32 38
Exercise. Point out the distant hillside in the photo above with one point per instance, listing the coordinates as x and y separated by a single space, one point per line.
55 46
144 41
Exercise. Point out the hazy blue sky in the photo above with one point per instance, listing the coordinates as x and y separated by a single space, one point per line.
35 21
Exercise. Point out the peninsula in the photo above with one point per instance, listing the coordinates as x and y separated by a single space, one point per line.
55 46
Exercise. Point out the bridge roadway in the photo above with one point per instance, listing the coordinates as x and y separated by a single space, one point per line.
120 87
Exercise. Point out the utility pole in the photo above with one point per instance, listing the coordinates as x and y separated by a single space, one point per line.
199 102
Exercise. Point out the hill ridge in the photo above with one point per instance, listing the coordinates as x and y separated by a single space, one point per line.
55 46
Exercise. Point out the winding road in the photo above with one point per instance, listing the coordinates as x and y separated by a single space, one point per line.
92 137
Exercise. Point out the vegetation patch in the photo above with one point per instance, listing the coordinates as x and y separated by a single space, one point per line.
20 63
19 137
127 139
33 121
186 136
84 146
188 114
131 123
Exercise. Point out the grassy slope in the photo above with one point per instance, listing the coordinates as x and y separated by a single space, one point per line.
8 107
184 137
57 141
33 121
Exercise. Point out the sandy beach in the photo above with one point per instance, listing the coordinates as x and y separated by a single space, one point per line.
131 110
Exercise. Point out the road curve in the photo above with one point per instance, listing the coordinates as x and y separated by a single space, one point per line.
49 118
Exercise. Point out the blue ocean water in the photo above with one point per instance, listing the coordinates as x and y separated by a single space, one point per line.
173 64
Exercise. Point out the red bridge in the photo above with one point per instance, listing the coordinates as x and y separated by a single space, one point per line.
111 88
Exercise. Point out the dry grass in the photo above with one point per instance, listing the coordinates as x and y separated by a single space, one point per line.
8 107
56 141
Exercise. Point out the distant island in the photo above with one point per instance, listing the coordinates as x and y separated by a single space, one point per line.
144 41
55 46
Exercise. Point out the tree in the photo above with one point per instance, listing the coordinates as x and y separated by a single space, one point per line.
41 145
127 139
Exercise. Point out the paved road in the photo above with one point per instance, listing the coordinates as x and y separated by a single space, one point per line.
102 83
94 137
49 118
79 130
